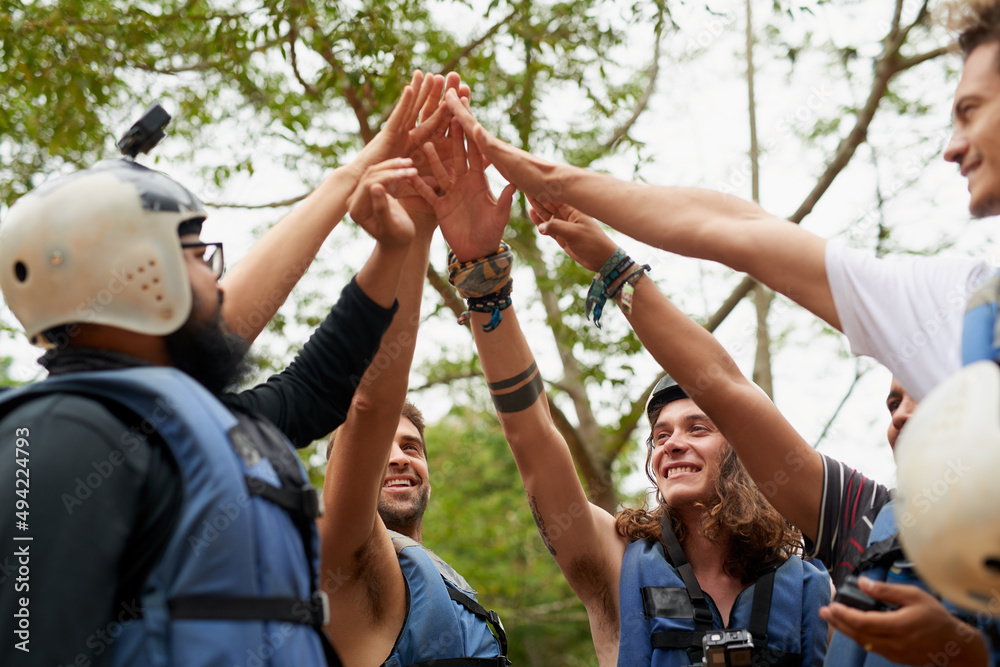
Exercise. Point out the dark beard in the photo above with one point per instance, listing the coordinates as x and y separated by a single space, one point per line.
211 354
404 520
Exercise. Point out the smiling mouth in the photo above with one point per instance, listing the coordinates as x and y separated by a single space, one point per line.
399 484
680 469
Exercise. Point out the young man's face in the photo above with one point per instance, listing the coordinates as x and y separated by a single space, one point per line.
687 451
975 143
406 487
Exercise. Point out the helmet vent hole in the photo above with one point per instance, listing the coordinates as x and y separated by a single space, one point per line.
21 271
992 564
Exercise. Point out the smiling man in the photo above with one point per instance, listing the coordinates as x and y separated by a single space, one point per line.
168 522
393 602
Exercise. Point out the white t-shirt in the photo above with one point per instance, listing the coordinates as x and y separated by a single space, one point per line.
905 312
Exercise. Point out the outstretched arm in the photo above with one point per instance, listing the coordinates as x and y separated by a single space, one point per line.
359 569
784 466
358 459
573 530
260 282
687 221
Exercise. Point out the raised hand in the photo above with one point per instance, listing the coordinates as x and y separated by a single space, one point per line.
414 118
375 210
531 175
579 235
471 219
433 128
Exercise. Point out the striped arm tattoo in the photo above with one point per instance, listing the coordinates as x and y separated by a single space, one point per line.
519 392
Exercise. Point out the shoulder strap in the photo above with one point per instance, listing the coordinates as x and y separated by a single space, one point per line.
760 610
883 552
703 618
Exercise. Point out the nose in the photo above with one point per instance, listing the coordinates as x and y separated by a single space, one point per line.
397 458
957 147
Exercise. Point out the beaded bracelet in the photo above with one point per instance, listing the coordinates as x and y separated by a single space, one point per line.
619 274
613 269
626 288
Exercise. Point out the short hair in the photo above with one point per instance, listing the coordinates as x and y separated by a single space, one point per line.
977 22
410 411
416 418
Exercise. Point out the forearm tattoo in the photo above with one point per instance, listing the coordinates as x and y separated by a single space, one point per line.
519 392
540 522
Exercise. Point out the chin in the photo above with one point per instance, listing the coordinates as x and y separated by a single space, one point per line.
985 204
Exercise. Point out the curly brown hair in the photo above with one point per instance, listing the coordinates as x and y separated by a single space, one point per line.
977 22
759 535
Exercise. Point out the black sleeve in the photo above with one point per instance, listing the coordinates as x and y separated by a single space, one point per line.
91 504
310 398
850 503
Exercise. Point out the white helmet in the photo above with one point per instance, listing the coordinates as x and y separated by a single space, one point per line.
99 246
948 496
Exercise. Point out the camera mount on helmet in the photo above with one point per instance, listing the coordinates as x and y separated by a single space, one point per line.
143 136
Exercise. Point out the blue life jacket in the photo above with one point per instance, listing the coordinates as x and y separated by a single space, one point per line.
445 626
882 560
980 336
664 615
236 582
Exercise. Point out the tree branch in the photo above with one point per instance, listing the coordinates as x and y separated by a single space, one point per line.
293 35
350 94
599 488
888 64
858 374
448 379
475 44
277 204
651 74
447 293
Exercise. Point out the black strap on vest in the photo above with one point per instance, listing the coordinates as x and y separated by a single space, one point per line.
487 615
691 641
313 613
217 607
881 553
498 661
703 619
304 501
492 619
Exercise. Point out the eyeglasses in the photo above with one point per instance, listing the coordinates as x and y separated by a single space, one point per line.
212 256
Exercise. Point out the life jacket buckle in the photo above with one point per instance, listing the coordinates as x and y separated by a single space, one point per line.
321 607
312 502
